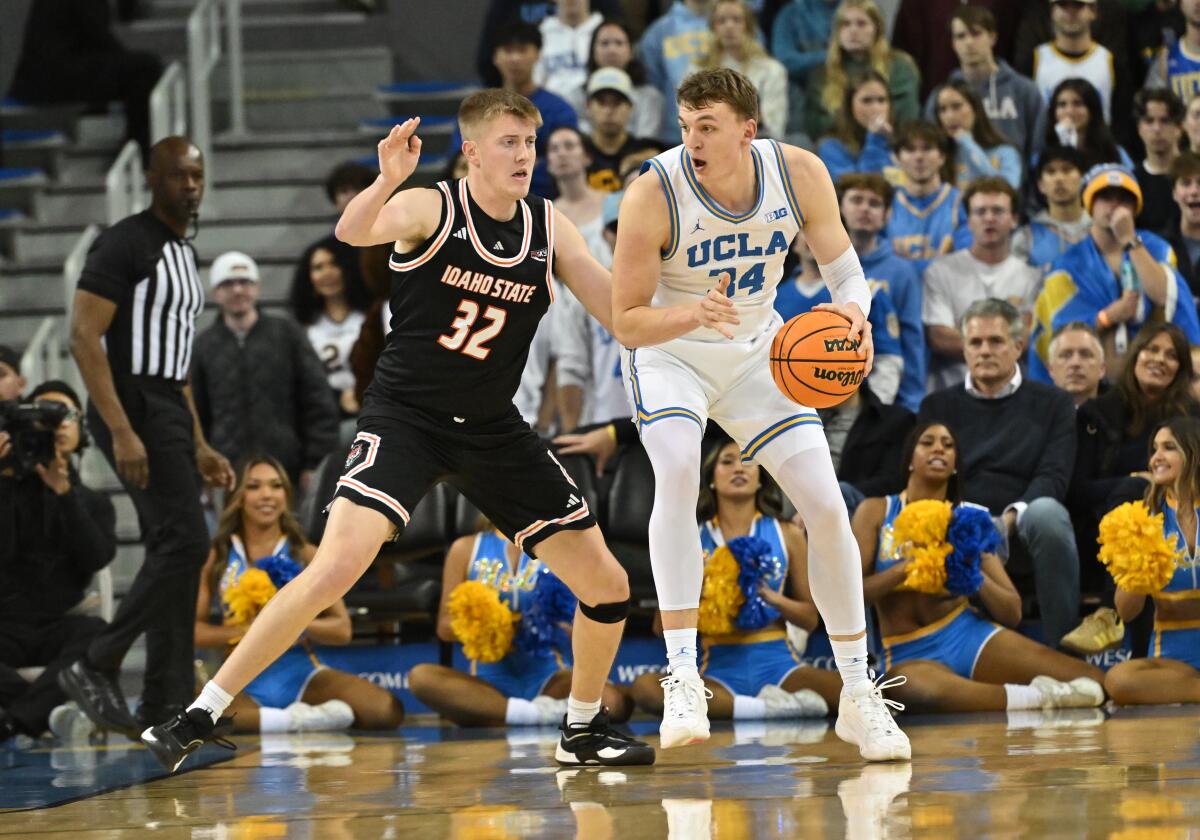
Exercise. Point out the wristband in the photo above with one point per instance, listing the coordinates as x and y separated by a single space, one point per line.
1103 321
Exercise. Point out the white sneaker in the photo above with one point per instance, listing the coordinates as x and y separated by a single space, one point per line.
330 716
685 710
782 703
69 723
1079 693
864 719
550 710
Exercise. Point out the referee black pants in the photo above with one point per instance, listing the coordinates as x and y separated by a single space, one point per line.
161 602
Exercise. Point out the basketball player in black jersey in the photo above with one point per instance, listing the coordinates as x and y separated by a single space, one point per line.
472 263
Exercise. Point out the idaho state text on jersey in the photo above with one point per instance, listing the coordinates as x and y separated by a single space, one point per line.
486 284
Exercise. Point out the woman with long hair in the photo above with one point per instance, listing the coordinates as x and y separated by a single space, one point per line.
858 43
753 672
331 307
982 150
1075 118
1171 672
955 660
258 547
861 140
612 46
735 44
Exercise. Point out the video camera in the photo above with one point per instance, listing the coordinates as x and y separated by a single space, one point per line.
31 427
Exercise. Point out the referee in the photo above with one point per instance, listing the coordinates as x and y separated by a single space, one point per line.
131 334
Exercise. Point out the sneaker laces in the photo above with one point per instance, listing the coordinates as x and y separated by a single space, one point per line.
686 695
877 713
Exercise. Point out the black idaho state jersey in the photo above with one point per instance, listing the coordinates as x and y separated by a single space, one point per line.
465 306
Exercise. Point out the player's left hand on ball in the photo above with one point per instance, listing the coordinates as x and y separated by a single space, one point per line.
860 330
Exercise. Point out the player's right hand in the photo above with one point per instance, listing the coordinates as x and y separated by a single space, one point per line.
400 151
716 311
133 465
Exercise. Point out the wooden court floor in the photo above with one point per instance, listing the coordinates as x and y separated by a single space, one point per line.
1078 774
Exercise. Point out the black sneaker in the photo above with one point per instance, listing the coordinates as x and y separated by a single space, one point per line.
99 696
598 744
179 737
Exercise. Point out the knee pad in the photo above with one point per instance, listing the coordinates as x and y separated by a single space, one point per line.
613 613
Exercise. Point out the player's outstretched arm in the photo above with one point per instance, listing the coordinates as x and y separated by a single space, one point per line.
642 232
574 264
375 216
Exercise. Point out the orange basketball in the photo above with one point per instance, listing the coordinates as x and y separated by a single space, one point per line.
812 363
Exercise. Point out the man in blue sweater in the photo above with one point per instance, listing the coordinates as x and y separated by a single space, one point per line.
667 49
1016 450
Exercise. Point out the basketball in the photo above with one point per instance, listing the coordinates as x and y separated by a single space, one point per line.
812 363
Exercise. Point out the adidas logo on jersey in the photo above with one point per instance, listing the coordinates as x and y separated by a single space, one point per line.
573 501
461 233
499 246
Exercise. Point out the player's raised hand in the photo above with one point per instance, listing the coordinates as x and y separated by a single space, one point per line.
400 151
860 330
716 311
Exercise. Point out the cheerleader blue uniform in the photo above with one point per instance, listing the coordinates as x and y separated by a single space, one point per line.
519 674
284 680
1178 640
745 661
955 640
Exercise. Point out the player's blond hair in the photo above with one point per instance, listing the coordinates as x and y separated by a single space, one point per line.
479 109
710 87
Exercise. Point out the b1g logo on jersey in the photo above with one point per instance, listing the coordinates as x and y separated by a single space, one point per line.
778 213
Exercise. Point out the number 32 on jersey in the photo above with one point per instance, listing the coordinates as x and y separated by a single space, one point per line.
473 343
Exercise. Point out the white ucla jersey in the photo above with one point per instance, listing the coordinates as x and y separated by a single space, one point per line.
708 241
1050 66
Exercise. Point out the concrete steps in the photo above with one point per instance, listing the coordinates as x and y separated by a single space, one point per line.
311 30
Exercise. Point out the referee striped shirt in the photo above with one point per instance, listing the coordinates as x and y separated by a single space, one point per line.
150 274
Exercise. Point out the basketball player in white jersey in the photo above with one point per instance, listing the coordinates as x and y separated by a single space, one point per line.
700 248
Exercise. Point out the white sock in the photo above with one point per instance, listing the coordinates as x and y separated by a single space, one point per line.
1022 697
213 699
580 712
681 649
851 659
273 720
521 713
748 708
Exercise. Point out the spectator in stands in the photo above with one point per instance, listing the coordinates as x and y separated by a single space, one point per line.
1011 101
528 687
57 535
859 43
800 40
1073 53
1159 115
1169 674
1077 361
345 181
1073 118
1119 277
927 212
954 659
987 269
1191 127
500 13
1035 27
612 46
258 386
862 130
1175 66
568 161
12 383
866 202
752 672
258 534
71 54
332 313
921 27
735 44
1184 238
609 106
1155 29
518 45
1059 178
667 49
1016 448
566 36
982 151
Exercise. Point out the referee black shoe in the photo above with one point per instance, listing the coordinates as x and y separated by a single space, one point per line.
598 744
179 737
99 696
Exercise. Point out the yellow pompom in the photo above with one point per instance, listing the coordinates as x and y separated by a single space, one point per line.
246 597
720 597
481 621
1132 545
926 570
920 535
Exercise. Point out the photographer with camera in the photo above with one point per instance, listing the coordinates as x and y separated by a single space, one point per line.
55 534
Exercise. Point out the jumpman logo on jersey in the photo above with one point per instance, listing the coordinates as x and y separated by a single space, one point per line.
697 227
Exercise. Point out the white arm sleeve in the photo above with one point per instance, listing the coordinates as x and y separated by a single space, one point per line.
846 281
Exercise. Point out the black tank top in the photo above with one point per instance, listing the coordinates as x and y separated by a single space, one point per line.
465 306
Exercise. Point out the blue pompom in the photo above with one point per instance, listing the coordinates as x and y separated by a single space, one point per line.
279 568
552 605
756 561
970 534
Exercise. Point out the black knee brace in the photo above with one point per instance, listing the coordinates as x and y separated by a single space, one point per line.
606 613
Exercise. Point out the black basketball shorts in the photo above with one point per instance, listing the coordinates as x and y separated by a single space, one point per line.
501 466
